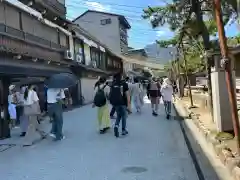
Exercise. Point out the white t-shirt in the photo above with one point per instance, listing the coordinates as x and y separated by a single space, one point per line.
53 95
32 97
167 92
136 89
106 89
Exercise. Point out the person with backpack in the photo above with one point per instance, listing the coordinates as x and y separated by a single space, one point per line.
100 101
154 94
120 99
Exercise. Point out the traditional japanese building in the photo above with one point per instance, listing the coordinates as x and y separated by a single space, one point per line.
32 44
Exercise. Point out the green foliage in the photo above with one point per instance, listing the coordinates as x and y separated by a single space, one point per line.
176 14
234 41
196 19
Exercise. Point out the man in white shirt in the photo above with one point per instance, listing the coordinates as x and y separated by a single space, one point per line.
54 99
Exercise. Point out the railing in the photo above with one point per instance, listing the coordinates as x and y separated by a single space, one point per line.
18 34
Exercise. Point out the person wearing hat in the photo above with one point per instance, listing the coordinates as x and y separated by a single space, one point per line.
12 101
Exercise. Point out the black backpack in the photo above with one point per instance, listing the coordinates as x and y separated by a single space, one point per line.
116 95
100 97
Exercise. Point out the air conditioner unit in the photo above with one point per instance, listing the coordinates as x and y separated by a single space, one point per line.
79 58
68 55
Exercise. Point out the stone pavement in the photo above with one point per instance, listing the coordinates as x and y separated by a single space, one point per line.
154 150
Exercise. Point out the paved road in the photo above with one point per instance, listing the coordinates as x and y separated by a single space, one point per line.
153 150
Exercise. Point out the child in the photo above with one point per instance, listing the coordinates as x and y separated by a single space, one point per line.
167 92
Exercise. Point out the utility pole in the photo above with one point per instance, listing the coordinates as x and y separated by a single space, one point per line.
226 64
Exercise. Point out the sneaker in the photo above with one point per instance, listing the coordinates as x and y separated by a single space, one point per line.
116 133
124 132
23 134
168 116
52 135
102 131
106 129
59 139
155 114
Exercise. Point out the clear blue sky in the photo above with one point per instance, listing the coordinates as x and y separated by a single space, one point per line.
141 32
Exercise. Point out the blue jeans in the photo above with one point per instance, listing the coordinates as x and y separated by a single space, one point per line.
55 111
121 115
168 107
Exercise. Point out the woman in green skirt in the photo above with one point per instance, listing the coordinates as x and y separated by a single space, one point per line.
100 101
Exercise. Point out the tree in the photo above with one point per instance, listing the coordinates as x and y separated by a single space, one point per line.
192 17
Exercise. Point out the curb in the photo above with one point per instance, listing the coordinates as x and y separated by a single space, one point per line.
228 159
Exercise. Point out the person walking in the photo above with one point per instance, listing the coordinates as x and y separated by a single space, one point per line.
100 101
55 99
112 112
120 99
32 111
153 92
23 118
167 93
12 104
137 95
130 86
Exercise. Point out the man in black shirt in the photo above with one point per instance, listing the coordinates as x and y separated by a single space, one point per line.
119 98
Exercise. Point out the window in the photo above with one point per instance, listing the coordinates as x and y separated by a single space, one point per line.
95 56
20 21
121 49
123 39
106 21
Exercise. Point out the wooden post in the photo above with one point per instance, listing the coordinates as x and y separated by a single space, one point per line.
4 123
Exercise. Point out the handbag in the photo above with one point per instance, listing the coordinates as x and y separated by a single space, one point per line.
33 109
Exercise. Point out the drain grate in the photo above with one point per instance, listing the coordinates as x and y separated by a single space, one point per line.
134 169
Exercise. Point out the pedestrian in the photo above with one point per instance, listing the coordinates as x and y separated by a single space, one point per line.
130 86
23 118
100 101
120 99
112 112
12 101
167 93
55 99
32 111
153 92
137 95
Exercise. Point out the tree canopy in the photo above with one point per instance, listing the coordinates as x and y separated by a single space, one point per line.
192 21
194 16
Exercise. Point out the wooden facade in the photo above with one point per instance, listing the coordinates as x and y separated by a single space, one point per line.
54 10
28 48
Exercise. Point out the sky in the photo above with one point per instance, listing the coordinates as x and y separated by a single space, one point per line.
141 32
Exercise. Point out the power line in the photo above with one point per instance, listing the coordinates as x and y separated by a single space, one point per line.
88 7
114 4
132 29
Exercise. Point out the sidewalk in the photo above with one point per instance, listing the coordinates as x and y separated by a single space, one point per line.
154 150
222 144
